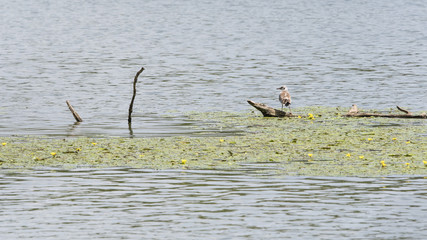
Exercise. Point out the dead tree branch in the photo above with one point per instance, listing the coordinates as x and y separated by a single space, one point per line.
354 112
134 94
75 114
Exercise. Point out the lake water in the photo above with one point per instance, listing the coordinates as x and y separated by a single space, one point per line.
126 203
201 56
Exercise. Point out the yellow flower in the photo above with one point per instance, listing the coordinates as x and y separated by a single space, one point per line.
78 149
4 144
425 162
369 139
221 140
408 142
141 155
299 116
348 155
310 155
310 116
183 161
383 164
407 164
394 139
94 143
361 157
53 154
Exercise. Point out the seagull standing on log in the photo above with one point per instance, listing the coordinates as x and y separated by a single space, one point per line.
285 97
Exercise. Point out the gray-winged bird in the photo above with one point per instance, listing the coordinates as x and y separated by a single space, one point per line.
285 97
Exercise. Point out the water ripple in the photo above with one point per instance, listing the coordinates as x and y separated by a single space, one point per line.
130 203
202 56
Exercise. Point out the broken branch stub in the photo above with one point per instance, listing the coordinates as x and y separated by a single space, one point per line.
75 114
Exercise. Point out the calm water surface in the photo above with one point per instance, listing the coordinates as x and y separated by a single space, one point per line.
126 203
201 56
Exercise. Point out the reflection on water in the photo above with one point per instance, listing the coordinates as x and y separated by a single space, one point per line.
124 203
201 56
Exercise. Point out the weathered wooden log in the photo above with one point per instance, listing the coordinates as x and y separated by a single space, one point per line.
386 115
269 111
75 114
354 112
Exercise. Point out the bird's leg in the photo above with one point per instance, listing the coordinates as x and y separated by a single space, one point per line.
282 106
290 109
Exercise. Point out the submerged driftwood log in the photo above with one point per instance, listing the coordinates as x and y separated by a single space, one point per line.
354 112
269 111
75 114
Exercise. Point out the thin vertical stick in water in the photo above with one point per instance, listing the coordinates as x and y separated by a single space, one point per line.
134 94
75 114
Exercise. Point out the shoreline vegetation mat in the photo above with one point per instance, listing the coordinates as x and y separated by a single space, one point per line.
319 142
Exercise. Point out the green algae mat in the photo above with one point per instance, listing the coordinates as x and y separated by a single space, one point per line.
319 142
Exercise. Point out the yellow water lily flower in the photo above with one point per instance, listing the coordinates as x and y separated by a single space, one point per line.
383 164
394 139
221 140
78 149
369 139
183 161
94 143
4 144
310 155
348 155
53 154
299 116
408 142
425 162
361 157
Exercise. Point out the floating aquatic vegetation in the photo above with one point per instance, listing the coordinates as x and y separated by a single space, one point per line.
324 144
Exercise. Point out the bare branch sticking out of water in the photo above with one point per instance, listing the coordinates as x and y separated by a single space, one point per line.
403 110
75 114
133 96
